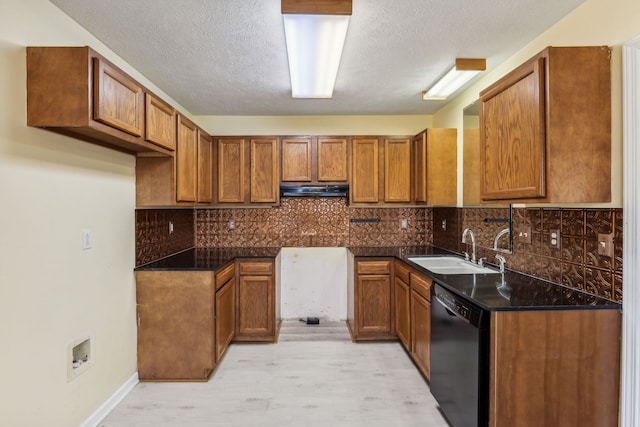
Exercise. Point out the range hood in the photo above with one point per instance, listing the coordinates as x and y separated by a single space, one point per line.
308 190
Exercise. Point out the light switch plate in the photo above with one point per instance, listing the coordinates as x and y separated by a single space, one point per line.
87 239
605 245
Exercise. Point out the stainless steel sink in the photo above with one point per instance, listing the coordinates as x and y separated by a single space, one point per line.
450 265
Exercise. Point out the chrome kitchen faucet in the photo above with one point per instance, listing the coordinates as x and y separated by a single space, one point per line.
468 231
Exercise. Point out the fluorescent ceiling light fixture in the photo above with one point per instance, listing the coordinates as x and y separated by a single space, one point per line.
314 48
458 76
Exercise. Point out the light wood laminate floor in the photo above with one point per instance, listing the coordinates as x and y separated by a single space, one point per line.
314 376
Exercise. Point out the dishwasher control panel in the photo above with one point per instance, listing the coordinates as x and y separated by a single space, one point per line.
457 305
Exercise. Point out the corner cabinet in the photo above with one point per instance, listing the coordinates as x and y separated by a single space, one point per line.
258 301
545 130
434 167
76 92
184 179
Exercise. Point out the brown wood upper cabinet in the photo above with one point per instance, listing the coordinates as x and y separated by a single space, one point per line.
317 159
364 170
434 167
194 163
397 170
231 168
205 167
77 92
332 159
296 159
160 122
248 170
187 161
264 170
545 129
117 98
405 170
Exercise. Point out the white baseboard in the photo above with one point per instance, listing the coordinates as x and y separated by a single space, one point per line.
108 406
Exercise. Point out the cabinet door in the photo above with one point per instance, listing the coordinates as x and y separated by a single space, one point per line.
231 170
117 99
264 170
442 167
374 304
397 170
402 312
421 331
256 306
364 171
187 161
512 135
205 168
420 168
332 159
296 159
160 122
471 168
225 316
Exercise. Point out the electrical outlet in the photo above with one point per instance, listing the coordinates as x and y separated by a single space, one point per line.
605 245
87 239
524 234
554 239
444 224
232 224
403 223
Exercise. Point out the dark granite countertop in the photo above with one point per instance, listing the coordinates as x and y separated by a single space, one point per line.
207 258
508 291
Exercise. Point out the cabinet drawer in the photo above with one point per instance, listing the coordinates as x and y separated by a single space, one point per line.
422 285
401 271
255 267
374 267
224 275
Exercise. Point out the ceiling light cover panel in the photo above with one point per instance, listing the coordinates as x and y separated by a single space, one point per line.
314 48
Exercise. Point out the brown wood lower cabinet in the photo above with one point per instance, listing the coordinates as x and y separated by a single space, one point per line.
258 315
421 323
176 325
372 300
225 308
402 301
554 368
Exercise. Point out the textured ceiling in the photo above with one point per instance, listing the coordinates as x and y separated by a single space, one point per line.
228 57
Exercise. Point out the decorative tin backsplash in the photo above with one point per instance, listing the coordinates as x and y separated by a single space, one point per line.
153 239
575 263
330 222
312 222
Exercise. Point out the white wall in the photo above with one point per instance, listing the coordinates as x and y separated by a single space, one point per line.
51 291
313 283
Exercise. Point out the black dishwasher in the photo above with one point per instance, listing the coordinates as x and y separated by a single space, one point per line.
460 359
